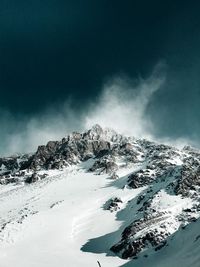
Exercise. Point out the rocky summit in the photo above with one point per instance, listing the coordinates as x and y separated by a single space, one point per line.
159 185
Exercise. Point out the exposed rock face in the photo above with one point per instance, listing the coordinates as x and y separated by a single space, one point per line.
75 148
188 180
131 247
9 163
178 172
113 204
11 168
32 179
104 165
95 143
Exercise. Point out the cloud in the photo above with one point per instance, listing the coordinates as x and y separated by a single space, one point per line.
23 134
122 105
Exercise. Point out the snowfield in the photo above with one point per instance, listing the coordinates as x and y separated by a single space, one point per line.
48 222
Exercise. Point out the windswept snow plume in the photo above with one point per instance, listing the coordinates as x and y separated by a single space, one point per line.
123 104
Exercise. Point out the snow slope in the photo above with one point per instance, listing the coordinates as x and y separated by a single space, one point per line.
49 221
100 196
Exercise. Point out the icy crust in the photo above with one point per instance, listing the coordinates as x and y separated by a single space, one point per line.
153 189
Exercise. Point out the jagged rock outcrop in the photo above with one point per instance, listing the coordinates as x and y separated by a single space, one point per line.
113 204
104 165
131 246
178 172
104 145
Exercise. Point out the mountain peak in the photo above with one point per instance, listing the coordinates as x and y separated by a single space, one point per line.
95 132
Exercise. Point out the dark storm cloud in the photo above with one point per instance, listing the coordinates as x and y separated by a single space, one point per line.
52 49
58 52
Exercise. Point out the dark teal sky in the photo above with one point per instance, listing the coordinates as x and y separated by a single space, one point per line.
53 50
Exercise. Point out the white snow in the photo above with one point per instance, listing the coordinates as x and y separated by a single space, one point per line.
61 214
52 222
175 160
170 203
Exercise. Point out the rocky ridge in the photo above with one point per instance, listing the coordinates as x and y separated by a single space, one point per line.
76 147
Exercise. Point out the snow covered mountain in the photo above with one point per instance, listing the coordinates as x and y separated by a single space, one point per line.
100 196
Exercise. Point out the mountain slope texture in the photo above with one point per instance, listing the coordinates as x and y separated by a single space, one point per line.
100 198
